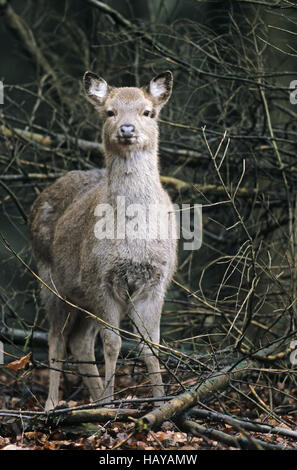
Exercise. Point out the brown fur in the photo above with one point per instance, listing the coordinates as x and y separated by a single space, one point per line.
109 277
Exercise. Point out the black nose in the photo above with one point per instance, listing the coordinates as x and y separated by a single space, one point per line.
127 130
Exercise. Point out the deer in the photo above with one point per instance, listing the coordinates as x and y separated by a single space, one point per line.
110 277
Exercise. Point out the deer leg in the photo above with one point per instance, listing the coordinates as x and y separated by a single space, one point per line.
56 354
82 346
146 315
112 346
112 342
60 325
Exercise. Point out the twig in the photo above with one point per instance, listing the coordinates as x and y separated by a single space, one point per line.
243 422
242 442
122 442
15 199
50 141
162 50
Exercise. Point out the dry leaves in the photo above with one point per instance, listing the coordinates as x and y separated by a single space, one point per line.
19 363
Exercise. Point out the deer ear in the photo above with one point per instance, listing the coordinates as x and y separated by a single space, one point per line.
96 88
160 88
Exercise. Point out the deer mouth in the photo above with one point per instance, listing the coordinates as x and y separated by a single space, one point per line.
129 140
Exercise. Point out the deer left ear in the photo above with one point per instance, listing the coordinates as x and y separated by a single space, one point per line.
160 88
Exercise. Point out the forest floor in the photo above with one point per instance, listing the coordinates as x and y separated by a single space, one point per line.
26 390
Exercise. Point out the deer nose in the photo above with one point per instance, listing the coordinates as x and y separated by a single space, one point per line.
127 130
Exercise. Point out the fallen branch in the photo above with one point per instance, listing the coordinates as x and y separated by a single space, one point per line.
31 176
97 414
243 422
50 141
18 336
186 400
14 423
243 442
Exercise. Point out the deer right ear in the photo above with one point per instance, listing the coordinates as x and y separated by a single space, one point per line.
96 88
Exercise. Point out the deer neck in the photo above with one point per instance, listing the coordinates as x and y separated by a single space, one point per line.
135 176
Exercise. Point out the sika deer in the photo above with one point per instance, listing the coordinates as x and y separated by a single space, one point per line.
110 277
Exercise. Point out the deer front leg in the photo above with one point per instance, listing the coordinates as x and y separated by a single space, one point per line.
112 346
146 315
112 342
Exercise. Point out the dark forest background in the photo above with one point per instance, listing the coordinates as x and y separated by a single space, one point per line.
227 141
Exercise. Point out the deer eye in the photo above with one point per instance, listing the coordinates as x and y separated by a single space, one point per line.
110 113
146 112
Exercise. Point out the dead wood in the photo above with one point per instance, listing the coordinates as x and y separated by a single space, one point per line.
186 400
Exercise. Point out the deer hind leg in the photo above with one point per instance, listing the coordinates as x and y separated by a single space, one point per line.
146 315
82 347
61 322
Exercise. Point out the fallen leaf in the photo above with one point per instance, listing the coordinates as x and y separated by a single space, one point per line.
140 436
179 437
163 436
4 441
19 363
50 445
